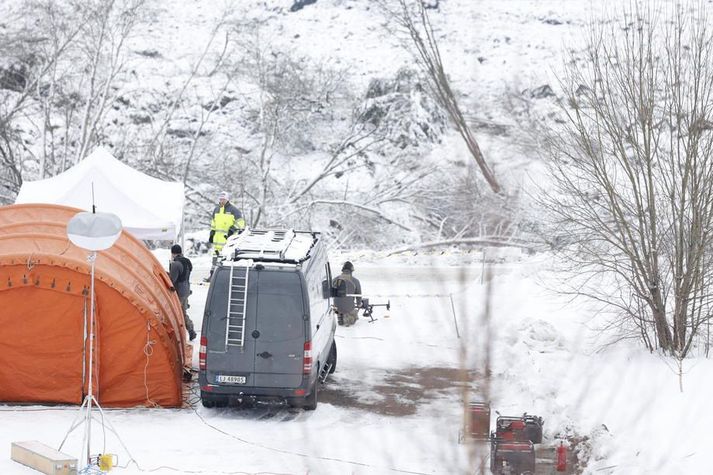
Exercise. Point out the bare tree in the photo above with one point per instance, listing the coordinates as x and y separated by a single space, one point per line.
461 214
413 18
32 53
359 139
68 60
207 65
293 107
109 24
632 200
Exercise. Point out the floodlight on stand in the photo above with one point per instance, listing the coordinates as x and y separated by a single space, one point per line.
93 232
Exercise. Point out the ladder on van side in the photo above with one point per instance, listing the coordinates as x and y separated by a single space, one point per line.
237 306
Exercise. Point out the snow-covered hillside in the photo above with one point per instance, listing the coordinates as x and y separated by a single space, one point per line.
255 98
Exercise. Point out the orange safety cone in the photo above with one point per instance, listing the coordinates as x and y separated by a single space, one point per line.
561 458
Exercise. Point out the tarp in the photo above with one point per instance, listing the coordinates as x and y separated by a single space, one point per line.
44 303
149 208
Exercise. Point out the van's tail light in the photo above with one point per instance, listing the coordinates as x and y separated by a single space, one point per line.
202 352
307 358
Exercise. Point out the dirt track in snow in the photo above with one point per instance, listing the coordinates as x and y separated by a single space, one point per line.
401 392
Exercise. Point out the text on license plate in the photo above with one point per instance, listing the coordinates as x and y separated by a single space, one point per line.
224 378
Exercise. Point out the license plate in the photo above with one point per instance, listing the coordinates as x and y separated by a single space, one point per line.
224 378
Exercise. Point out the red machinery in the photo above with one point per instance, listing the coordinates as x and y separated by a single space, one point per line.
479 420
512 449
526 427
561 458
512 457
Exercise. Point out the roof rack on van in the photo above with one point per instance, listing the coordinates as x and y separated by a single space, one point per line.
271 245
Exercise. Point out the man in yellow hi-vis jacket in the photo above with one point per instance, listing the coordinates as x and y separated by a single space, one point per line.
226 221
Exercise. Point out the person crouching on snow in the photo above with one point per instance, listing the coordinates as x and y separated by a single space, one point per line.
347 307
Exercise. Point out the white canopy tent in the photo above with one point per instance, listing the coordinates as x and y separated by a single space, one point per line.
149 208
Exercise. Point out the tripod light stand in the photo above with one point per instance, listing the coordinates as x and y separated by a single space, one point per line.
93 232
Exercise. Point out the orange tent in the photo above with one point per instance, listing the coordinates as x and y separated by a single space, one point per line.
44 304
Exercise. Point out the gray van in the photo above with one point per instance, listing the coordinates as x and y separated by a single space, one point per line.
268 327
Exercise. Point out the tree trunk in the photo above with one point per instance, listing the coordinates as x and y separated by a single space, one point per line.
663 332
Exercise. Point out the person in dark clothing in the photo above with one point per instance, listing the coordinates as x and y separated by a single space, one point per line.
180 271
347 307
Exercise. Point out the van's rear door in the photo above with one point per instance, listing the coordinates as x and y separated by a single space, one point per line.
228 362
280 329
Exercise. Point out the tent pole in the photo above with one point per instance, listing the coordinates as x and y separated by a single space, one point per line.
90 392
84 347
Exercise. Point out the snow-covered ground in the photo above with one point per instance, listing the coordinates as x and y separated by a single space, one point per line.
394 404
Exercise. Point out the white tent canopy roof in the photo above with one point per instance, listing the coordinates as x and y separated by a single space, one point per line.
149 208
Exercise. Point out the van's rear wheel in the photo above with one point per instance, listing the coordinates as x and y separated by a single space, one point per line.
310 403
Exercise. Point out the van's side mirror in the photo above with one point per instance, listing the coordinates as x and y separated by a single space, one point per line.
326 289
